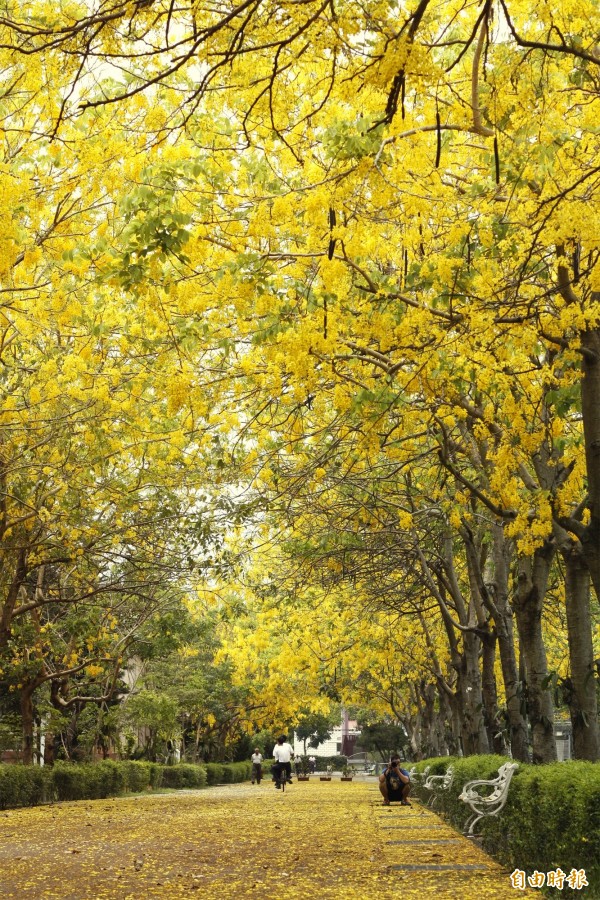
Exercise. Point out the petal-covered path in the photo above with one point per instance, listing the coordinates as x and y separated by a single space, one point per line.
319 840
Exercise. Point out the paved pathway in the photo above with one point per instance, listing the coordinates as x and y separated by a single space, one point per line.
318 841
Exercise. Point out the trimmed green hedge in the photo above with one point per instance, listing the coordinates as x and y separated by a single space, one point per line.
228 773
141 776
87 781
214 773
240 771
337 763
30 785
184 775
24 786
551 819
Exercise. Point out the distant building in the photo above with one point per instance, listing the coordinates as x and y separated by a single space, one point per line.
341 743
563 735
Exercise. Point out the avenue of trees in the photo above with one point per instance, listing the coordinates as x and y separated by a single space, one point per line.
300 369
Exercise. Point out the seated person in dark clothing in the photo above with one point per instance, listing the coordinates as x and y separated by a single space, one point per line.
394 783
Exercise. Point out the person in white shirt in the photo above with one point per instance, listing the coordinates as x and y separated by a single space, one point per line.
282 753
256 766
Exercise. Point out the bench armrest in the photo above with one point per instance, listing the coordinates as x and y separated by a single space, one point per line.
433 778
446 777
499 786
472 784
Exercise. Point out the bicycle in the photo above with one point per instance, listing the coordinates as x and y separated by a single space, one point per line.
281 777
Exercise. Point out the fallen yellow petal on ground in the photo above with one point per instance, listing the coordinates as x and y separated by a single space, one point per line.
318 840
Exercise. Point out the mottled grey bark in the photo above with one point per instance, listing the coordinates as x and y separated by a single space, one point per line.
487 636
447 740
590 408
474 734
503 618
430 744
528 603
465 647
493 592
28 690
588 535
581 687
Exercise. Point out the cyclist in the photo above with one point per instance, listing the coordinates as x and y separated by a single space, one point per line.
282 753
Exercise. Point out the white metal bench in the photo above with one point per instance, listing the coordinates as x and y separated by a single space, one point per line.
418 776
483 805
438 783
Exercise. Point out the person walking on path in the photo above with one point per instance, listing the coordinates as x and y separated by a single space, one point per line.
256 766
394 783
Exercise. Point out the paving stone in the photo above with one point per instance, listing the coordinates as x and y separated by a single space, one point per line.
427 841
441 867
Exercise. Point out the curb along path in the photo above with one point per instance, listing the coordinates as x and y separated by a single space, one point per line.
318 841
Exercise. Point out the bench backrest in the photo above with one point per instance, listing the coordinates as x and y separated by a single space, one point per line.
507 770
448 776
505 773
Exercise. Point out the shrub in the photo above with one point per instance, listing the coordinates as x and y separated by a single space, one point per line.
70 781
88 781
551 820
137 775
107 778
437 764
24 786
337 763
235 772
214 773
184 775
228 773
29 785
240 771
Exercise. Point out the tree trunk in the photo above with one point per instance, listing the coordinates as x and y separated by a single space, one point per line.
449 739
517 724
474 735
480 615
528 603
413 730
456 706
429 745
458 696
582 696
412 725
49 749
8 607
590 406
513 689
490 693
27 723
